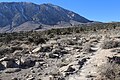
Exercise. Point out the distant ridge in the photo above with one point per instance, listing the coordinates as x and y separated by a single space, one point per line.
17 15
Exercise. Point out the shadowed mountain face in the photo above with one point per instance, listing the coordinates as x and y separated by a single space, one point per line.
14 14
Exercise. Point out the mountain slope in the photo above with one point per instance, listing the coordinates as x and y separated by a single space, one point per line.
14 14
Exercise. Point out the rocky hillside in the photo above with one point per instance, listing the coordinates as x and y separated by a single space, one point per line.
14 14
62 54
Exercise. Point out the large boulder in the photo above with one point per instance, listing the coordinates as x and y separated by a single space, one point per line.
27 62
9 62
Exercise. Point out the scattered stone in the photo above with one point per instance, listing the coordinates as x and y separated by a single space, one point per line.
90 76
75 38
68 48
39 79
46 48
17 53
32 71
14 48
25 46
2 67
36 50
12 70
67 70
31 78
9 63
14 78
51 77
37 64
93 49
27 62
57 53
53 42
39 74
18 62
81 62
51 55
61 78
70 69
3 59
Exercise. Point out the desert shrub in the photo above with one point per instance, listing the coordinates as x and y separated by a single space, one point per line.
51 35
40 40
37 40
65 32
30 39
14 48
87 48
116 50
109 71
67 42
114 59
77 31
7 39
110 44
4 51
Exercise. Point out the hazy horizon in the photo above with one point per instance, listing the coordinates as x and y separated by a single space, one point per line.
103 11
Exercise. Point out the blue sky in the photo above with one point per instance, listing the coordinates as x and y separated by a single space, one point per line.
97 10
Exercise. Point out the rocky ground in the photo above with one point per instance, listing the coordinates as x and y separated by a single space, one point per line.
64 57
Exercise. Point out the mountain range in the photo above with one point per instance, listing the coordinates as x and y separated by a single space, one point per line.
25 16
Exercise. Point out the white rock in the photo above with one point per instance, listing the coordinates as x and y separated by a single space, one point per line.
64 68
12 70
51 77
68 48
2 59
9 64
94 48
31 78
75 38
24 46
52 42
36 49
